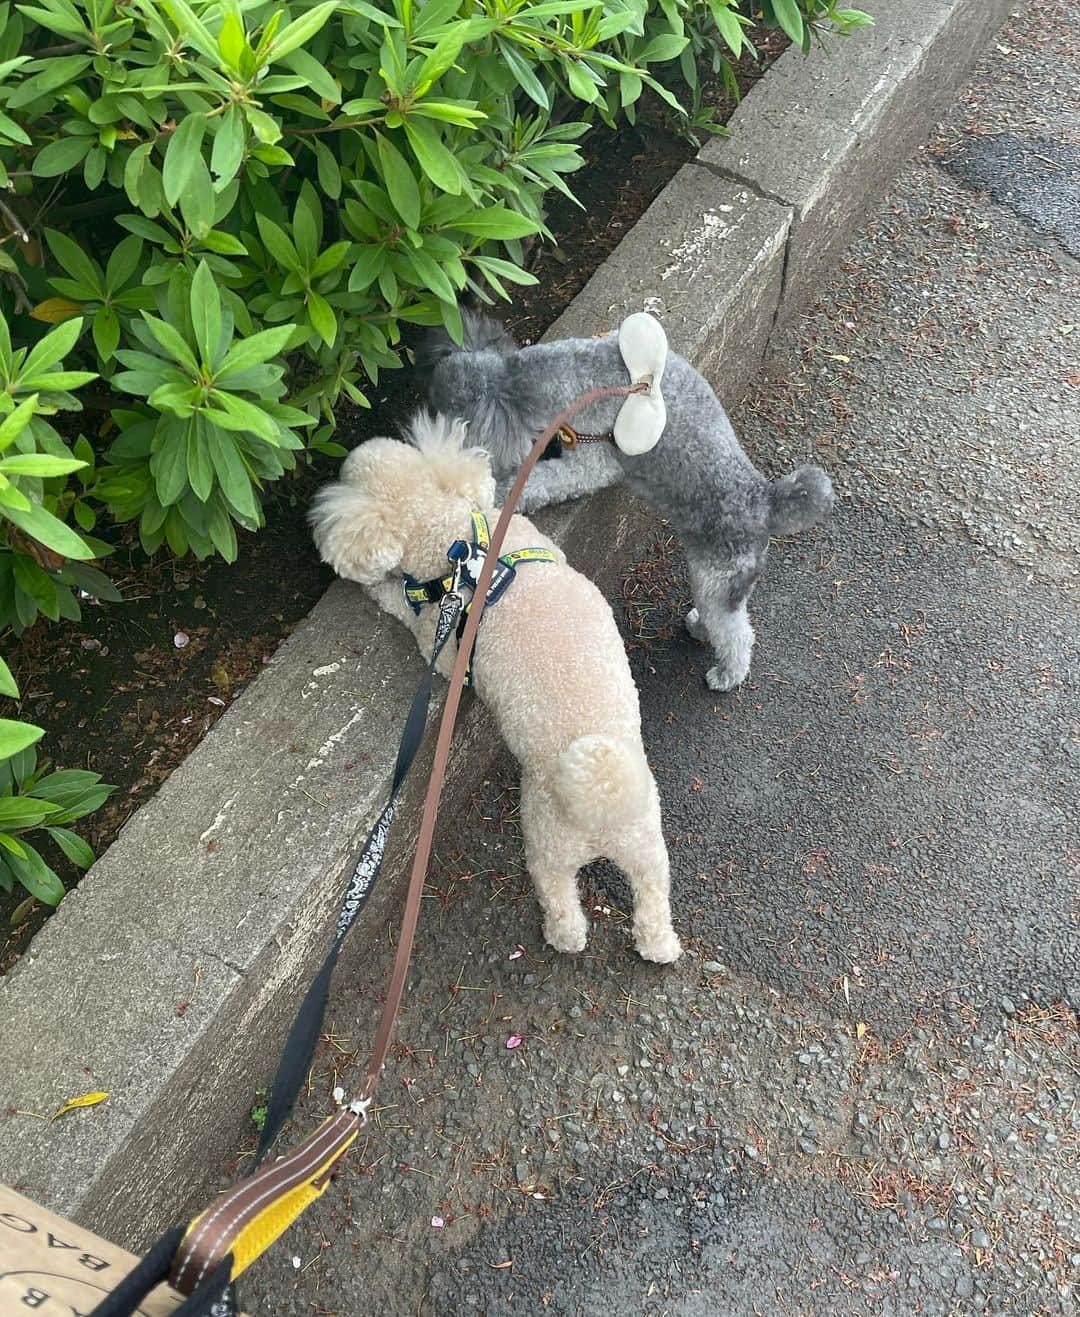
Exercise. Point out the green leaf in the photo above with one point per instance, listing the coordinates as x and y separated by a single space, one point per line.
495 222
232 40
400 181
16 736
173 343
239 414
198 202
662 48
61 156
91 580
277 244
524 76
10 844
448 112
65 786
51 349
181 154
24 811
581 84
231 473
254 350
200 467
367 265
229 142
322 317
790 19
179 397
307 226
222 532
206 313
168 465
58 73
728 26
224 244
50 531
300 30
435 159
56 381
431 276
39 464
315 75
8 684
12 426
73 846
106 332
123 262
327 168
265 128
36 876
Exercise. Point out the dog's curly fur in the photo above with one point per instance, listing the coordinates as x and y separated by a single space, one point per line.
549 663
697 476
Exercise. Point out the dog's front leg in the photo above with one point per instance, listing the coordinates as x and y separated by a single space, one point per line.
583 471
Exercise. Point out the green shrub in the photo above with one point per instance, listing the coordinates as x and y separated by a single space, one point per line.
244 203
43 568
32 799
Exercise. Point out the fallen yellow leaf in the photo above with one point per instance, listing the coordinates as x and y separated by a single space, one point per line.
860 1029
54 310
72 1104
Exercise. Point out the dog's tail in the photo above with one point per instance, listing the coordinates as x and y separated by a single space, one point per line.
481 334
602 780
799 500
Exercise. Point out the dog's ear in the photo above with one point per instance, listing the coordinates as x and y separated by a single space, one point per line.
356 534
457 469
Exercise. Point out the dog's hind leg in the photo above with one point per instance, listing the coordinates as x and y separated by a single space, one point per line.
642 855
721 591
554 852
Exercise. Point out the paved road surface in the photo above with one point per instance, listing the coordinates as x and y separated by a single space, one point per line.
858 1093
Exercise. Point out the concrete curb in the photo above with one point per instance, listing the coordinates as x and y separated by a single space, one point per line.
168 978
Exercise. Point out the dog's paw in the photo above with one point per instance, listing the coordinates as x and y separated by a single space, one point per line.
567 935
695 627
724 679
663 948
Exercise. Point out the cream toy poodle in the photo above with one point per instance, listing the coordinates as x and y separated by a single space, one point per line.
548 662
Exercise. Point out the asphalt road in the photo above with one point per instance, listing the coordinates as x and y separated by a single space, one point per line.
857 1091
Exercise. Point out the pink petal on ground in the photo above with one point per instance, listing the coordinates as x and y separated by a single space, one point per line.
517 952
515 1040
437 1222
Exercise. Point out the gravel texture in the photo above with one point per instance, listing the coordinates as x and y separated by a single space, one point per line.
857 1091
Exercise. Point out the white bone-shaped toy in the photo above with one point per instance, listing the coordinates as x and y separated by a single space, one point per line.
642 417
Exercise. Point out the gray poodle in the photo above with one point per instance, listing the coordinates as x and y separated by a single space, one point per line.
694 473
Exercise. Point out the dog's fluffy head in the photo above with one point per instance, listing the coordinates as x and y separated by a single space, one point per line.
399 504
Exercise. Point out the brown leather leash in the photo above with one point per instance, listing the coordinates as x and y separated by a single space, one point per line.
225 1239
446 731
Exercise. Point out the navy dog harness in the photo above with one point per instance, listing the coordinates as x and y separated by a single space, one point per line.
467 560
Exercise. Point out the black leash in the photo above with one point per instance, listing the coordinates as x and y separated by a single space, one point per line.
214 1297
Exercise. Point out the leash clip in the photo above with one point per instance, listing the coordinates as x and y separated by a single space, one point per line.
359 1108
